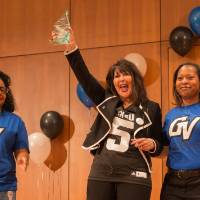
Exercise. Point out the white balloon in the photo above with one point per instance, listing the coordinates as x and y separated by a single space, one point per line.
39 146
139 61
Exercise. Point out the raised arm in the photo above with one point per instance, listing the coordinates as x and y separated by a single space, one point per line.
89 83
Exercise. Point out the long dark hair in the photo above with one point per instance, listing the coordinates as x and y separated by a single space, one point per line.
177 97
9 104
139 94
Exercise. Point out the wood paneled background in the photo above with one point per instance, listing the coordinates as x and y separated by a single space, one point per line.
105 30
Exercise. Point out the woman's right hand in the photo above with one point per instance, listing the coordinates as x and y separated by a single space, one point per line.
144 144
71 46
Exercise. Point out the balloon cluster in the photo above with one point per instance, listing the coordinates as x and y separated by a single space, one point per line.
51 123
182 38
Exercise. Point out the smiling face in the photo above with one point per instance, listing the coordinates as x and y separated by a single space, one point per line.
188 85
123 85
124 80
3 92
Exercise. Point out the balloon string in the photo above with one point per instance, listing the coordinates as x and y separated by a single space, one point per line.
53 186
59 183
38 185
48 184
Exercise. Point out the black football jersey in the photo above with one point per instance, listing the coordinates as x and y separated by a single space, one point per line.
117 160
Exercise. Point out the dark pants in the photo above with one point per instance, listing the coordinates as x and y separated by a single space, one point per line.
177 188
100 190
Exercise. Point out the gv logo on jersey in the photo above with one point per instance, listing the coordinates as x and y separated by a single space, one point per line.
1 130
182 126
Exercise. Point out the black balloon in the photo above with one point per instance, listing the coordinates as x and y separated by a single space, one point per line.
51 124
181 40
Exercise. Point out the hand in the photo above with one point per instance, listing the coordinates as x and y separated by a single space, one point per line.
22 162
71 45
62 34
144 144
22 158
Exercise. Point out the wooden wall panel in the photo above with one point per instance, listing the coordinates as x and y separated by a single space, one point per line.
41 80
157 178
165 75
99 60
175 13
102 23
26 25
41 83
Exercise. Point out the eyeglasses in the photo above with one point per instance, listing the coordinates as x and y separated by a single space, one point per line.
3 90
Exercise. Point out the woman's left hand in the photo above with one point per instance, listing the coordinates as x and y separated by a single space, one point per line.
144 144
22 159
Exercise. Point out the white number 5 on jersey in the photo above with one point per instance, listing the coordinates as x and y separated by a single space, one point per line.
124 135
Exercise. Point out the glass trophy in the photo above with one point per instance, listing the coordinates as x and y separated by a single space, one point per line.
60 34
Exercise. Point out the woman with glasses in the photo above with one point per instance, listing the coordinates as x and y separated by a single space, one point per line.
13 141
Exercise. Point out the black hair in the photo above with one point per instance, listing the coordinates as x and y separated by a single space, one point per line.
177 97
9 104
139 94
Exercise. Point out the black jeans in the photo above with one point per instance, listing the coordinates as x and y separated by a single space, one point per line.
180 188
102 190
